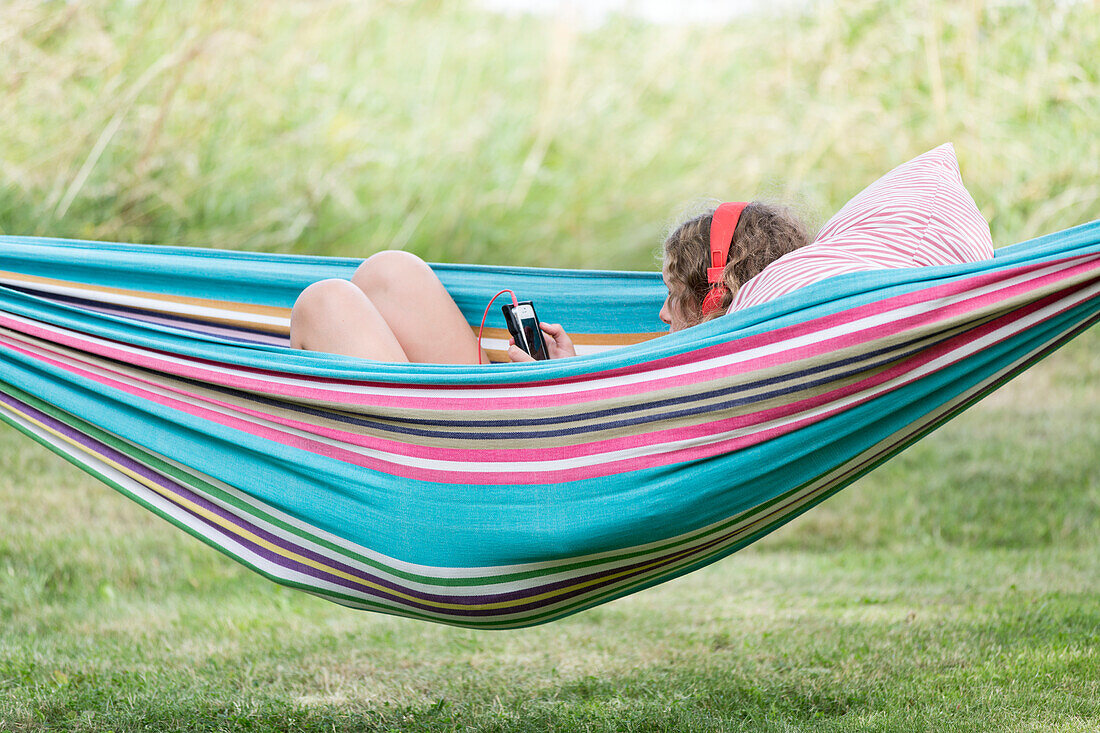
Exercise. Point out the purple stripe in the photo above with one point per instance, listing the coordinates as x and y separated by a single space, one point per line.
193 325
174 487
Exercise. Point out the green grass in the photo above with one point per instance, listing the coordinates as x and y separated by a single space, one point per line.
844 641
954 588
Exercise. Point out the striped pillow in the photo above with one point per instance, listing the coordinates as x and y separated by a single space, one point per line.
917 214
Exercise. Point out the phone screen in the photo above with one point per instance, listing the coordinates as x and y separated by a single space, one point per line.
532 334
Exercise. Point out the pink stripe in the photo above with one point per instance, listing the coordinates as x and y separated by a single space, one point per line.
723 372
238 377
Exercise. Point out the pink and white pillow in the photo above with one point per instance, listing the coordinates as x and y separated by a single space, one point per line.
917 214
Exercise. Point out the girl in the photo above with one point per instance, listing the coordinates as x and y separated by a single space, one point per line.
369 316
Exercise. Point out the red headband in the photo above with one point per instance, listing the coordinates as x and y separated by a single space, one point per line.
722 226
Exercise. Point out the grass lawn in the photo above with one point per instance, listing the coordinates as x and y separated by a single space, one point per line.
955 588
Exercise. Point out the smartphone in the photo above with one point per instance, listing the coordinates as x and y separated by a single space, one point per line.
523 324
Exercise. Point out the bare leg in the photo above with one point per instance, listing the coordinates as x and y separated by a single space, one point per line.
419 311
335 316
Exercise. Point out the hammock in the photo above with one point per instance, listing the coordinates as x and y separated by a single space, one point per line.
515 494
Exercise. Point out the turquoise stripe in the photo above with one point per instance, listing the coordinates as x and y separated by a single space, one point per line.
595 301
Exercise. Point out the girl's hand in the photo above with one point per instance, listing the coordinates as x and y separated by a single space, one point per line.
558 344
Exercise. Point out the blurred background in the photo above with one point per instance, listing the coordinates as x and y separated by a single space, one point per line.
527 132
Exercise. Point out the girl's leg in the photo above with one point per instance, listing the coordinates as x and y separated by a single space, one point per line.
336 317
419 311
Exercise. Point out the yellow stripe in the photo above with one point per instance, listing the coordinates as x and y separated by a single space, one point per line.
249 309
245 309
587 339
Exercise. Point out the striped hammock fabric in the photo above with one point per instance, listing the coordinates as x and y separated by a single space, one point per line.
514 494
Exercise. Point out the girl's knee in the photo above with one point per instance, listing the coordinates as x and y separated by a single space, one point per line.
325 294
318 303
390 268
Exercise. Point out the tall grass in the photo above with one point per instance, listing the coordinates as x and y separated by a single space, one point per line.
344 127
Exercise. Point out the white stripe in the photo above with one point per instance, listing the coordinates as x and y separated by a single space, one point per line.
499 344
613 559
475 394
162 306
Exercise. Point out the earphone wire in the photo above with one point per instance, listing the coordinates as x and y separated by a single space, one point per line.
484 315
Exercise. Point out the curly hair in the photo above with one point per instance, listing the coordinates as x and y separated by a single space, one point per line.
765 232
